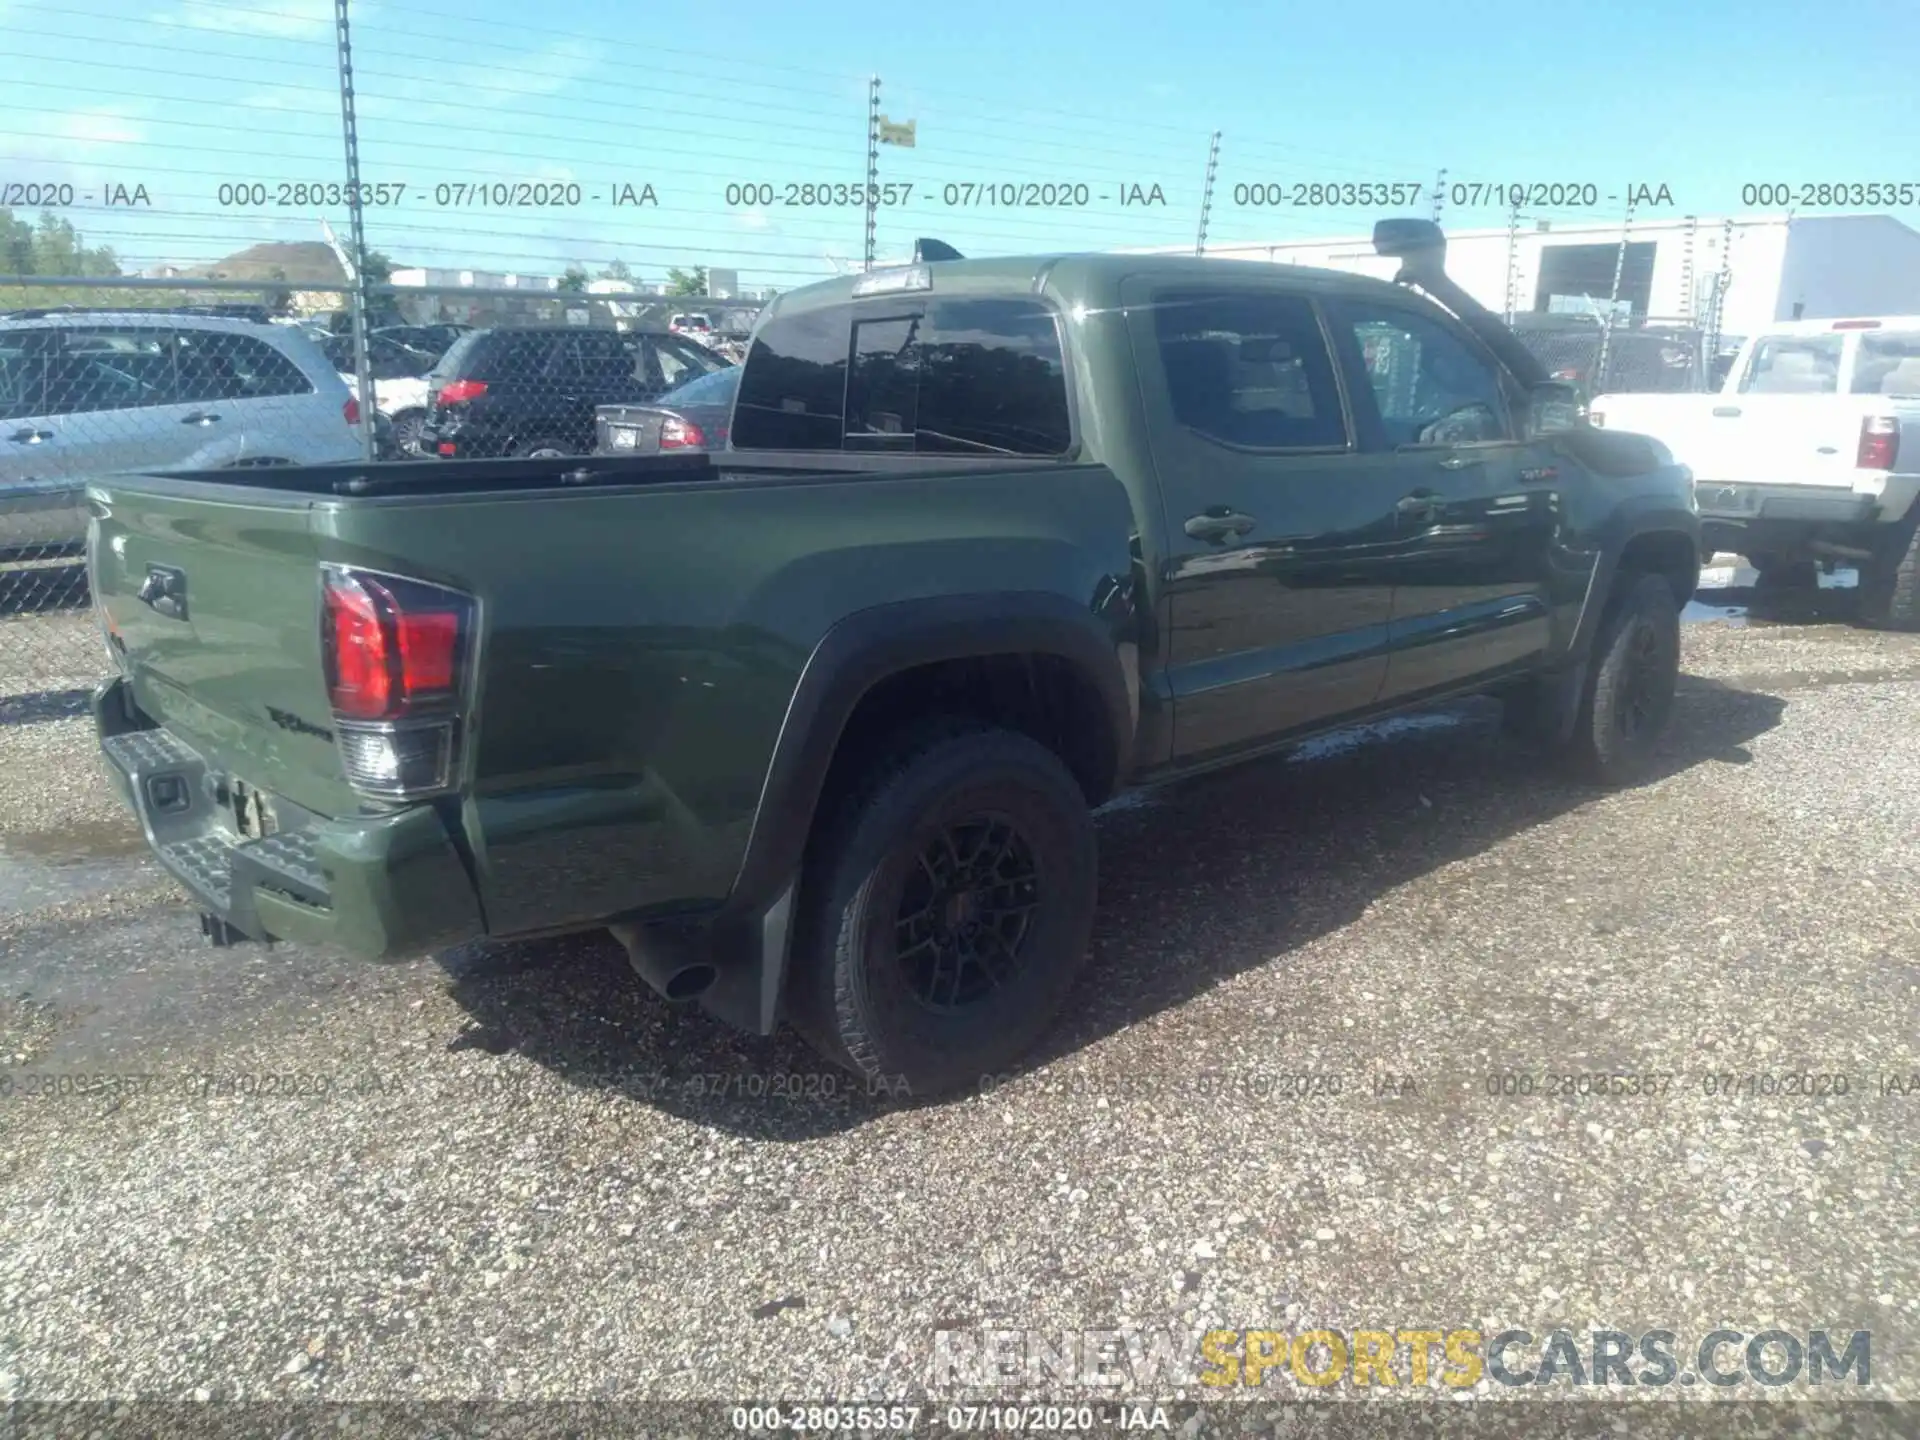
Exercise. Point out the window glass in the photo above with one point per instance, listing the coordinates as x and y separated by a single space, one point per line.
1888 364
21 375
1794 365
594 355
883 390
1431 387
714 389
216 365
110 369
794 385
678 361
991 378
1250 369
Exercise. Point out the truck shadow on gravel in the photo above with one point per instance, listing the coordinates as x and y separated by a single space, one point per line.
1200 881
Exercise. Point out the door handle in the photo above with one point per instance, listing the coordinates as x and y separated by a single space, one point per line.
1462 462
1219 524
1419 502
1726 412
199 417
30 436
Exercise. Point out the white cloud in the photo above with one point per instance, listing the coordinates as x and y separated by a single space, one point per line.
753 220
84 138
545 71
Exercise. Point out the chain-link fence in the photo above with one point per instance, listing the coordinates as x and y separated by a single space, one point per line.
1597 360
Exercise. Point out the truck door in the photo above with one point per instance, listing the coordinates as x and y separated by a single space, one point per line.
1279 531
1476 504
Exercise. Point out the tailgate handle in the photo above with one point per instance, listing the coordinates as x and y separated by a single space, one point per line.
199 417
165 590
30 436
1726 412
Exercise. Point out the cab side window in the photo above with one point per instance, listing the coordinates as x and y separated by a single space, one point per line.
1429 385
1249 369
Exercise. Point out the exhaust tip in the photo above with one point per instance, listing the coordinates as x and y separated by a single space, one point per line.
690 983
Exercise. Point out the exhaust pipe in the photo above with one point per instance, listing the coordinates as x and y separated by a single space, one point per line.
1839 552
673 963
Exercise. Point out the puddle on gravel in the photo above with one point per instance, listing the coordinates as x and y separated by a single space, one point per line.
53 867
1708 607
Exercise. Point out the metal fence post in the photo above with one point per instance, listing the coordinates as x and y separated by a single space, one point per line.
1206 193
1513 261
1439 193
873 165
357 230
1613 299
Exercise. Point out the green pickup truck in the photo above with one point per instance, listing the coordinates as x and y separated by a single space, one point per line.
815 724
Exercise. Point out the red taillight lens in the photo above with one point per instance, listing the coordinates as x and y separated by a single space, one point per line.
391 647
1879 443
351 410
461 391
678 434
1856 324
446 447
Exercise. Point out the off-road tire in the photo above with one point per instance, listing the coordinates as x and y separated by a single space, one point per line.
1630 685
851 995
1890 582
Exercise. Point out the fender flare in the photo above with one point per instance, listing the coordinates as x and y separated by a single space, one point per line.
750 937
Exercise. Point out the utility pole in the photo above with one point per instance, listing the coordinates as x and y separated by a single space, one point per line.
357 233
1206 193
1439 193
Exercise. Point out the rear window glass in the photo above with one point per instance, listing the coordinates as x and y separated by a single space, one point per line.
1888 364
714 389
1795 365
954 377
793 389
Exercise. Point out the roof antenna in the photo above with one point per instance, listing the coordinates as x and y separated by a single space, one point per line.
926 249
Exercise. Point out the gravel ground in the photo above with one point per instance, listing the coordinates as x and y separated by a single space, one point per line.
512 1174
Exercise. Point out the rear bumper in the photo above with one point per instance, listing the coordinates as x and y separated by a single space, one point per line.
378 886
1875 497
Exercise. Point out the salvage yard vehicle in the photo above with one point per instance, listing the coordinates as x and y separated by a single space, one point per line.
694 416
86 393
1809 454
815 724
531 391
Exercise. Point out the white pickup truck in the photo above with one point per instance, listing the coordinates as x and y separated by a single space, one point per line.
1809 453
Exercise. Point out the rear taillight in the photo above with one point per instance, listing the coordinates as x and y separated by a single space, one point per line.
1879 443
351 410
460 391
678 434
394 654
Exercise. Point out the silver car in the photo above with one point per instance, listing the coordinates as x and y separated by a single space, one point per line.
84 394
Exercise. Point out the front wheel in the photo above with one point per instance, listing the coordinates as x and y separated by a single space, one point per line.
949 905
407 426
1629 691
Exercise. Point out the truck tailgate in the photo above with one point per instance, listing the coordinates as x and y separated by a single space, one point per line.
211 597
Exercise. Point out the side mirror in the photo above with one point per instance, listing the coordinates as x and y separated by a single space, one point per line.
1553 408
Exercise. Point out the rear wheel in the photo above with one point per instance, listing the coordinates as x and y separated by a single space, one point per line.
407 426
949 904
542 448
1890 581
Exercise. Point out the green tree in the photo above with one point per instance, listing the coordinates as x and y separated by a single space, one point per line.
617 270
684 282
574 282
382 309
50 247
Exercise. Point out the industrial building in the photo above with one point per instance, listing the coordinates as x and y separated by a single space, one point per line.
1730 277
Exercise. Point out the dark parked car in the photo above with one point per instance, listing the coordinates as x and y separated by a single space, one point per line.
533 391
693 417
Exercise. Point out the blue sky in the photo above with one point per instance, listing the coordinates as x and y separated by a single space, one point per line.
184 96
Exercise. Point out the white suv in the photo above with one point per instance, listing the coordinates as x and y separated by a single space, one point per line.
84 394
